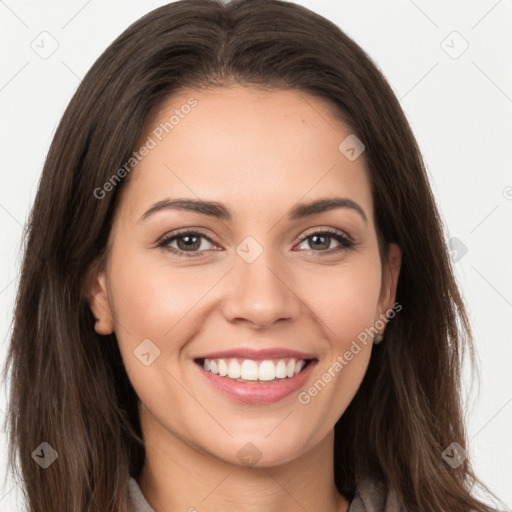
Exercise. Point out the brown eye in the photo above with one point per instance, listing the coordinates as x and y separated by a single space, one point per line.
189 243
321 240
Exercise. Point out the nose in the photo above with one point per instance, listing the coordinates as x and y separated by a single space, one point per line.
260 293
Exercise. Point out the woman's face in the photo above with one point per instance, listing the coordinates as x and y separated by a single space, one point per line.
261 275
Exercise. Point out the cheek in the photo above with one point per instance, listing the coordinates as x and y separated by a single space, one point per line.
347 306
345 303
150 299
344 297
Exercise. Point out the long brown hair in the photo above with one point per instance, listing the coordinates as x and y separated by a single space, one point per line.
68 384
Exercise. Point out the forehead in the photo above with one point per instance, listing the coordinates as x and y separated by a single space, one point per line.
259 151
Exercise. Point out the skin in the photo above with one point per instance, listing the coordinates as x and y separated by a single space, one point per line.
259 153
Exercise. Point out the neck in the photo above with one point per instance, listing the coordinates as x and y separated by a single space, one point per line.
177 476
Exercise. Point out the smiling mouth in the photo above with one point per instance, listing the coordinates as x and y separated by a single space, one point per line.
250 370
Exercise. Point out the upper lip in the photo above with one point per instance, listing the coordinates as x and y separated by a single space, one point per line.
257 354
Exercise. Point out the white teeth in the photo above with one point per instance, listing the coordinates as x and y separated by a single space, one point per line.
267 371
290 368
299 365
248 369
223 368
233 369
281 369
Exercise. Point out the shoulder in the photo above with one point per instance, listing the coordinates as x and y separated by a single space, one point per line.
372 495
137 501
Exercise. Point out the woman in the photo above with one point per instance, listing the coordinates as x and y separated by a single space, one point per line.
236 292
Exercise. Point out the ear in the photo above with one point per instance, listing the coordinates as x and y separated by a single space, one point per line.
97 294
391 272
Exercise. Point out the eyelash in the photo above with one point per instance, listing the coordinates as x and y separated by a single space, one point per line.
345 242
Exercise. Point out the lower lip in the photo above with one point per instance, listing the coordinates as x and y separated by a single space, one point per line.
257 392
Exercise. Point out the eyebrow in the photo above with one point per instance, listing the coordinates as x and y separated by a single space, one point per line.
220 211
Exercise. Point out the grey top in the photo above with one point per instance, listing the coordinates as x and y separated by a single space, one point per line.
371 496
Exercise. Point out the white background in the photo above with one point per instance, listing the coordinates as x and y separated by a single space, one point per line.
460 110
